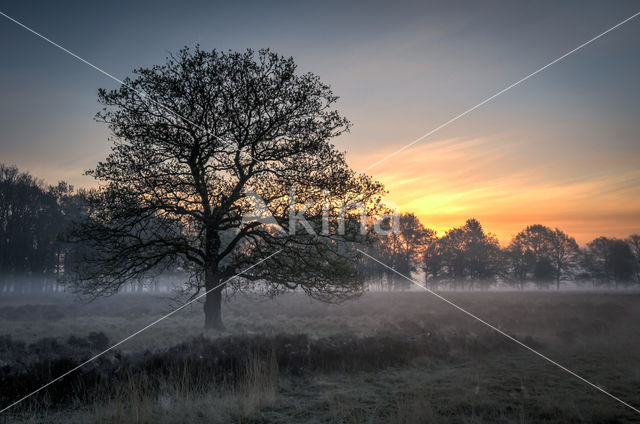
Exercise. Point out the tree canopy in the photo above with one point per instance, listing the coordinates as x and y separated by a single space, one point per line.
193 140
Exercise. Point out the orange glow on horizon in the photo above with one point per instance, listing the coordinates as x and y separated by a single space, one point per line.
448 181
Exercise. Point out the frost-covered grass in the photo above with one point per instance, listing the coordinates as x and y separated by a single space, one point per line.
477 380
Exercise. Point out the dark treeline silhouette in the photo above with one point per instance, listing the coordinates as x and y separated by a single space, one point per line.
32 215
34 218
34 256
467 257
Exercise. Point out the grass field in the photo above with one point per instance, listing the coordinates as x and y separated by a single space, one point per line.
384 357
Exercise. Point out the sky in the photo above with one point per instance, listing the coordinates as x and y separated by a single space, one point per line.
561 149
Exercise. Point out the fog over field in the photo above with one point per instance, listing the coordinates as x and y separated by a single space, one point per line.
319 212
383 357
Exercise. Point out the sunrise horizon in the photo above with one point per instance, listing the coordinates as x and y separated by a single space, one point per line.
320 212
560 149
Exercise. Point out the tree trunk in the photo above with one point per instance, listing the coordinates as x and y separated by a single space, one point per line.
213 302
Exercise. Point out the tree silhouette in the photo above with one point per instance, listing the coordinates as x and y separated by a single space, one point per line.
610 260
433 261
469 253
543 254
403 249
521 260
32 215
195 141
597 260
563 254
622 261
534 244
634 242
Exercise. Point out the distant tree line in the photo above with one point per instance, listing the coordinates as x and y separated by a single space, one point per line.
34 256
34 218
32 215
467 257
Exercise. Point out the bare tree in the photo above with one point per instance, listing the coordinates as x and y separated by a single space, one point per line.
610 260
195 141
634 242
563 252
520 261
530 255
32 214
468 253
404 249
597 260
